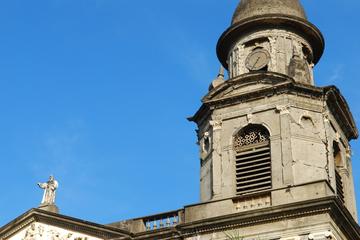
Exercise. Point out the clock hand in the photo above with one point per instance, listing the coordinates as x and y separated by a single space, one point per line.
256 61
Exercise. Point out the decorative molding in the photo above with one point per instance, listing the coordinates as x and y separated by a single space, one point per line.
240 220
321 236
250 118
206 145
273 51
216 124
61 221
291 238
38 231
18 228
252 203
348 153
307 138
251 134
279 84
283 109
267 219
330 206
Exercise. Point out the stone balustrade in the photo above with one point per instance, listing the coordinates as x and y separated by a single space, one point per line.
163 220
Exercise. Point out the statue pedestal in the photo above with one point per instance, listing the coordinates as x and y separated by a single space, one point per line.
49 207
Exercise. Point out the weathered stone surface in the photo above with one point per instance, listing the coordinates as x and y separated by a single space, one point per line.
50 208
39 231
255 8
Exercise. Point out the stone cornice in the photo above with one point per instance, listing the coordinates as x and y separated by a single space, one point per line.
276 84
269 78
341 111
218 94
164 234
343 218
73 224
256 217
328 205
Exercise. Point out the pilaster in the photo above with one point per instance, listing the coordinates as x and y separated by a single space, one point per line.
285 138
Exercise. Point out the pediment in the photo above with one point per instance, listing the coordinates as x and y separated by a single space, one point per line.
42 225
39 231
246 84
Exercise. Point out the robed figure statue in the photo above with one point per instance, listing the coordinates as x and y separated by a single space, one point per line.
49 191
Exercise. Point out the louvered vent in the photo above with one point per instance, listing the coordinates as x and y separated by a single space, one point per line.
338 163
253 160
339 187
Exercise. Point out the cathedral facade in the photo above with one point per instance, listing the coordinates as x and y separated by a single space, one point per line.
274 148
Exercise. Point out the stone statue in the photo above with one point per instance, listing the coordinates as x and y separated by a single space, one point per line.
49 191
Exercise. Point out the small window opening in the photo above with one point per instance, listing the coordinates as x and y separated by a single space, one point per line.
307 54
207 144
338 164
253 160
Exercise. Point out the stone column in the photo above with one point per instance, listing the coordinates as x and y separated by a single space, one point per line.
285 137
216 158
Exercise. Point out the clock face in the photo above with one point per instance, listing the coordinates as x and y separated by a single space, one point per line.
257 60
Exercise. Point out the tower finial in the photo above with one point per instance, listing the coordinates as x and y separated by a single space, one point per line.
221 72
219 79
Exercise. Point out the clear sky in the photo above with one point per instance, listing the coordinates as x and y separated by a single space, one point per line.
97 93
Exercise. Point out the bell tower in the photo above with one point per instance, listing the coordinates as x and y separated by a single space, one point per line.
268 132
272 36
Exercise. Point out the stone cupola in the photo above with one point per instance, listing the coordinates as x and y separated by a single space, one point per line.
271 36
255 8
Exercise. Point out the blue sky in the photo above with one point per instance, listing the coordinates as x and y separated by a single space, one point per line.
97 92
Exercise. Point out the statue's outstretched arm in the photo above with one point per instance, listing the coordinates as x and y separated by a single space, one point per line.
42 185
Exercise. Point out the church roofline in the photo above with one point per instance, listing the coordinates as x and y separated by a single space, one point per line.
330 205
326 205
62 221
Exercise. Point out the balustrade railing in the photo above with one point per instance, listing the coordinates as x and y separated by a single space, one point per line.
163 220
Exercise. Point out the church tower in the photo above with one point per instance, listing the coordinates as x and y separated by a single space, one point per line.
268 136
274 148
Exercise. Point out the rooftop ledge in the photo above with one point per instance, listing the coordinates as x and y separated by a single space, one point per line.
243 204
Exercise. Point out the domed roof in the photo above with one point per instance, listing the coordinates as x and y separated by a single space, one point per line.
257 8
269 14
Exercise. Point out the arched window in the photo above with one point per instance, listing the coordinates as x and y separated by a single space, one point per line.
338 165
253 159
